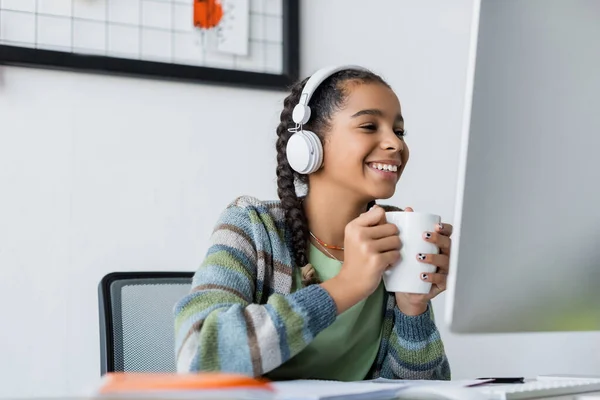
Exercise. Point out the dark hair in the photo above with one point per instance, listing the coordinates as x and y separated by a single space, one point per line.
326 100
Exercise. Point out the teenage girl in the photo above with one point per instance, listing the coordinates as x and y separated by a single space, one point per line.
292 289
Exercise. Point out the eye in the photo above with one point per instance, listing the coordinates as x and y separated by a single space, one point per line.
369 127
372 128
400 132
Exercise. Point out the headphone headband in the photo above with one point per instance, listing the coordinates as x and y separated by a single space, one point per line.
301 113
304 150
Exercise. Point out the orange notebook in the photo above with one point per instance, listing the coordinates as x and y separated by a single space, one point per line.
126 383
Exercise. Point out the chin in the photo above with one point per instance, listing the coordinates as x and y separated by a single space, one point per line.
383 194
381 188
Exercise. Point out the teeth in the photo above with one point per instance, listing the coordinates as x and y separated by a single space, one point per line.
385 167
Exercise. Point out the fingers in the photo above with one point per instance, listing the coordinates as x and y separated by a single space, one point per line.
439 278
375 216
441 241
382 231
389 258
435 278
386 244
444 229
441 261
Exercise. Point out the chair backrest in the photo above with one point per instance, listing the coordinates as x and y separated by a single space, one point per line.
136 320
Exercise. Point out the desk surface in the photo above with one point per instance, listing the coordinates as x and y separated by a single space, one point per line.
593 395
568 397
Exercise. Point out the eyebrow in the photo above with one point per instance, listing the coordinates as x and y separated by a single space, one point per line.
375 112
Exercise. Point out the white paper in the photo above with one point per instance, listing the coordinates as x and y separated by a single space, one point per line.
233 31
333 390
380 388
455 383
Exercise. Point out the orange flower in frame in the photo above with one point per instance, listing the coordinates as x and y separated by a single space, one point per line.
207 13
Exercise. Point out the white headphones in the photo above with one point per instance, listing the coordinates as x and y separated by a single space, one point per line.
304 149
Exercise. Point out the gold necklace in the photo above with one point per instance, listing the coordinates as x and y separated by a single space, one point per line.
323 244
327 251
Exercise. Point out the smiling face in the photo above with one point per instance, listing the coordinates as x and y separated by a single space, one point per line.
364 150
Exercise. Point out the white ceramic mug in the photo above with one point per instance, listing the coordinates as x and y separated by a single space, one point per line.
405 275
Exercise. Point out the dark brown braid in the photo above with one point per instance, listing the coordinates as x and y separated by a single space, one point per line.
327 99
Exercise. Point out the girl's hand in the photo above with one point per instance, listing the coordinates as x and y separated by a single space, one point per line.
371 245
415 304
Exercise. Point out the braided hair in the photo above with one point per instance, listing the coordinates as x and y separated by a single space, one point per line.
326 100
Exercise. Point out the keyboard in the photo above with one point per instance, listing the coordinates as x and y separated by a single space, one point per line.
539 388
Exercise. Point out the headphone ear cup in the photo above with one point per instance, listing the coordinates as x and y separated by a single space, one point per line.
317 158
304 152
301 114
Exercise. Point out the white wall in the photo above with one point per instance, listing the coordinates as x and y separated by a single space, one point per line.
103 173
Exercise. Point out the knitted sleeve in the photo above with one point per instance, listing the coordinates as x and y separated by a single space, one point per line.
222 326
414 348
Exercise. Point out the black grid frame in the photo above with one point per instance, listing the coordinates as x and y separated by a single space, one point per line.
22 55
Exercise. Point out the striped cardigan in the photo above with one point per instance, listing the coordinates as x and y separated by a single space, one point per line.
241 317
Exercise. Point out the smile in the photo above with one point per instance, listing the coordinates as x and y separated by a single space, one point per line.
383 167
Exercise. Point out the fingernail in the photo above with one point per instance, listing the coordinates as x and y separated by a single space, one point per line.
424 277
427 235
421 256
441 226
373 208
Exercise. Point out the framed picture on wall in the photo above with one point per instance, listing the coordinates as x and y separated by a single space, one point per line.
253 43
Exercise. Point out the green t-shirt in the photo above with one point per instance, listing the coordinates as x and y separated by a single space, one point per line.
346 349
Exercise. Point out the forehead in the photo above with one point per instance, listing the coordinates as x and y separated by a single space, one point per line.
362 96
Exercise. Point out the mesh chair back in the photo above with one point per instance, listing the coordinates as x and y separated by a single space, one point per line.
136 320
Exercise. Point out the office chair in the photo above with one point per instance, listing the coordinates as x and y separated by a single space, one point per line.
136 320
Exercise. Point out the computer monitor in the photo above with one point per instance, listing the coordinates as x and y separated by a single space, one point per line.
526 247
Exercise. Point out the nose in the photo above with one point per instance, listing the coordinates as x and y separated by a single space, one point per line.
392 142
